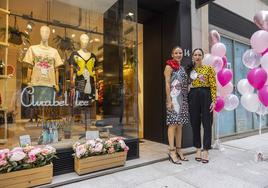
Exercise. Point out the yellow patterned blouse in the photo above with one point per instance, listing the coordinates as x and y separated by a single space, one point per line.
206 77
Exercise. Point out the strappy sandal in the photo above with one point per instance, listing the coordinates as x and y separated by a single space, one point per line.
179 156
198 159
171 159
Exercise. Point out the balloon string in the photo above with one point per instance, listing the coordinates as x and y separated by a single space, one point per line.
218 126
260 126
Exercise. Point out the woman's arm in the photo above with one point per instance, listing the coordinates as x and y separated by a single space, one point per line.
213 87
167 73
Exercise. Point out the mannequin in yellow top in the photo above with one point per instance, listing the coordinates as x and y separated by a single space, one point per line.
82 73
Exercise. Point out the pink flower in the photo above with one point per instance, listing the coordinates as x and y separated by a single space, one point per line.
32 158
17 156
36 151
126 148
45 151
80 151
50 148
109 143
91 143
27 149
122 144
17 149
5 151
98 148
111 150
2 156
3 162
76 144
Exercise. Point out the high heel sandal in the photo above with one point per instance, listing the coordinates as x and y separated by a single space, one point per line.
179 156
198 159
172 160
205 160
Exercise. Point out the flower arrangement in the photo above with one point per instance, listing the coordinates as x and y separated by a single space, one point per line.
20 158
99 147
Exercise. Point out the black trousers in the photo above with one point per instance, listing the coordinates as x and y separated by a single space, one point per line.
199 104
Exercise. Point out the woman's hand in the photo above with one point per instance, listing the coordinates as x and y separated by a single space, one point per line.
212 106
169 106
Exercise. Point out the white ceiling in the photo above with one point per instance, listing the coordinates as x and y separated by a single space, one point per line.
100 6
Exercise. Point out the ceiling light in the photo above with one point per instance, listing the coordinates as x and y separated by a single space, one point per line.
53 30
130 14
73 35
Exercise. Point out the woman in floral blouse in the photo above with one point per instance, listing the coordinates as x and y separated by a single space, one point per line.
202 98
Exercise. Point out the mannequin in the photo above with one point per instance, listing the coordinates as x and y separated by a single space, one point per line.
44 62
82 73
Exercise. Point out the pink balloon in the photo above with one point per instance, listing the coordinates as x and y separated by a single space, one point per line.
218 49
216 63
259 41
214 37
263 95
261 19
219 104
226 90
224 60
224 76
257 77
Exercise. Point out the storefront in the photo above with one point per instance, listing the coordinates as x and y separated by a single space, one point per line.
69 73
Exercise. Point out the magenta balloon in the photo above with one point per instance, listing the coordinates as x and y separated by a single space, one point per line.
257 77
261 19
224 76
263 95
214 37
259 41
218 49
219 104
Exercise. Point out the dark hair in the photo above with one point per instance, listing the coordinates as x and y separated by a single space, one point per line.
174 48
190 66
200 49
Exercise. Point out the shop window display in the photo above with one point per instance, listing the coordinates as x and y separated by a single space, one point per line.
68 79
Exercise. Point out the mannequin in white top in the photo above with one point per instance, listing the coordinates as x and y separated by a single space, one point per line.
48 72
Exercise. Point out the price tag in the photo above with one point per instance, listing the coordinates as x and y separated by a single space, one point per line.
91 135
25 140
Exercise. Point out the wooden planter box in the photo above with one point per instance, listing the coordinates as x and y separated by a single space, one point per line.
27 178
101 162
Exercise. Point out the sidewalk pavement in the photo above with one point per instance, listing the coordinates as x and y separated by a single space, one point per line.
234 167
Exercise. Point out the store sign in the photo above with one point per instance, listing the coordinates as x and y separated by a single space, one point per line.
30 91
186 53
25 140
91 135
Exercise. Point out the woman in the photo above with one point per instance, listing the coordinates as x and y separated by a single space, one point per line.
202 98
176 81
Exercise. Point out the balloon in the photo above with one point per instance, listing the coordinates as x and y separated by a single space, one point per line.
262 110
264 62
219 104
244 87
224 76
259 41
263 95
251 59
224 60
217 63
250 102
207 59
264 52
261 19
257 77
226 90
218 49
214 37
231 102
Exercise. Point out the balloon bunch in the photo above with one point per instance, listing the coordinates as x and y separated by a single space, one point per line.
256 59
217 59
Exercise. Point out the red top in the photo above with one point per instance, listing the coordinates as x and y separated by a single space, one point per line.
173 64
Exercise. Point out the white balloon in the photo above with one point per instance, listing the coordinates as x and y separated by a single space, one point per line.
264 62
231 102
207 59
216 63
262 110
251 59
226 90
244 87
250 102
